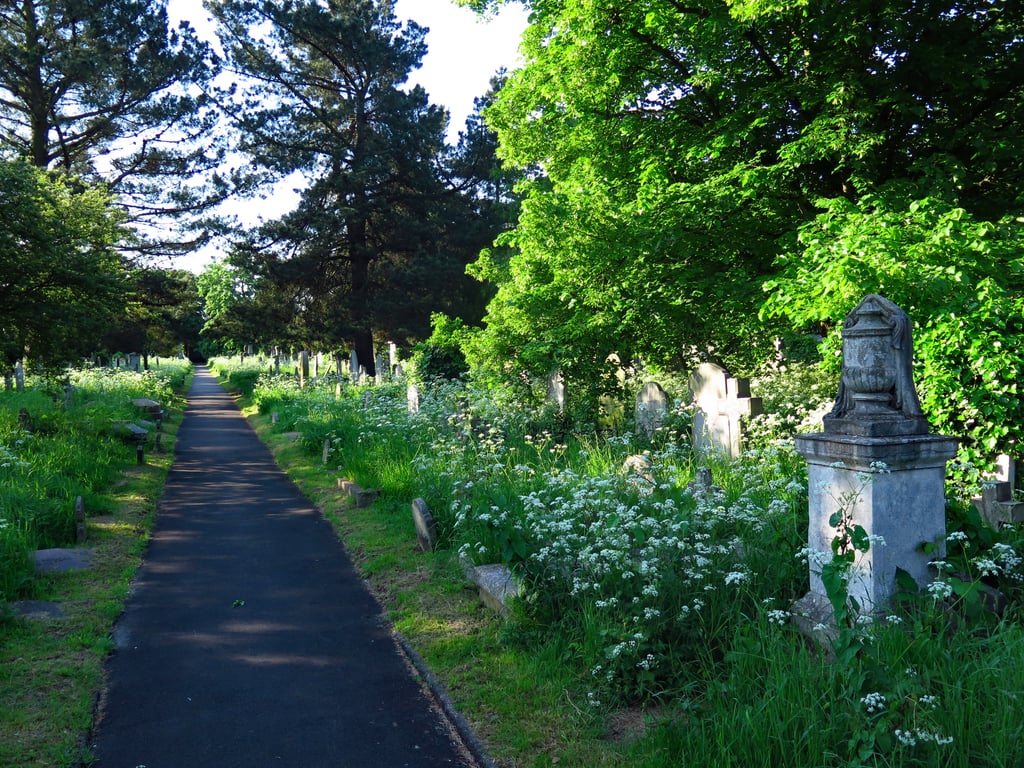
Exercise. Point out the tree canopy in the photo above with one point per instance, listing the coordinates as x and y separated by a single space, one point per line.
379 238
60 276
104 90
691 155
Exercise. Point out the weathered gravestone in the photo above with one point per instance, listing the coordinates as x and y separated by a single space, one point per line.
412 398
721 402
556 391
303 368
875 465
426 530
651 407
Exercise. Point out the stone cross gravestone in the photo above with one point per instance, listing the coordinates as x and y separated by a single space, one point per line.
876 465
721 404
651 406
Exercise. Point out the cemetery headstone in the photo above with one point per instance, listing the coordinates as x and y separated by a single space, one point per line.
426 530
80 532
721 402
19 376
354 366
651 406
303 368
556 390
876 465
412 397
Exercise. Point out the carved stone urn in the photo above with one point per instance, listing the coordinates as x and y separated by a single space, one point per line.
876 396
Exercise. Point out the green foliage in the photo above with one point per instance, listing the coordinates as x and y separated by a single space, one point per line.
68 450
386 225
959 278
441 355
61 274
795 396
680 156
104 90
241 376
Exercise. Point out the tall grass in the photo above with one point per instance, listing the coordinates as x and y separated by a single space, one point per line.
675 594
57 445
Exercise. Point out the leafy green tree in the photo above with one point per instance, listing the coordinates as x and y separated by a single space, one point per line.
104 90
232 317
960 279
162 314
61 279
687 153
379 237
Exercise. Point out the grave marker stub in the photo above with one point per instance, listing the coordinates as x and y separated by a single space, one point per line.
426 530
412 397
556 391
721 403
651 407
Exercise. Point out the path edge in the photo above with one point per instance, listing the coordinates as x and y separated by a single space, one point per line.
466 734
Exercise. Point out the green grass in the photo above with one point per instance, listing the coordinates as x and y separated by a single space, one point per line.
51 670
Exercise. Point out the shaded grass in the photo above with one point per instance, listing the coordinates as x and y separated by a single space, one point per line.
51 671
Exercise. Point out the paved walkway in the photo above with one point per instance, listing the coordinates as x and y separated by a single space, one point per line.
248 638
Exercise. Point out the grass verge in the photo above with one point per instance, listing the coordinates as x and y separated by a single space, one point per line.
51 670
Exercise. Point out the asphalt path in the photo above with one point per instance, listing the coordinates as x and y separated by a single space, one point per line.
248 638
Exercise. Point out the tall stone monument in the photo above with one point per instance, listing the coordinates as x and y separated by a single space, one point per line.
876 461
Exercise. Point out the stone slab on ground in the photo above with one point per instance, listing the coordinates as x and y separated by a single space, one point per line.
496 585
363 497
38 609
62 560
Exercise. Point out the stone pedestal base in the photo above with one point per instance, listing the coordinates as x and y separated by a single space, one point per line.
904 504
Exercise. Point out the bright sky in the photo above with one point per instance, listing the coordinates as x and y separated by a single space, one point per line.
463 53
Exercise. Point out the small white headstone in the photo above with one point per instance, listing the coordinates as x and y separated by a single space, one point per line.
556 391
412 396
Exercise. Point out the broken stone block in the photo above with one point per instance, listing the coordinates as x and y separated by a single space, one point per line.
497 586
